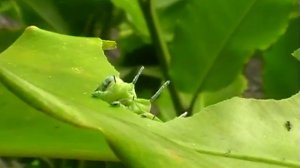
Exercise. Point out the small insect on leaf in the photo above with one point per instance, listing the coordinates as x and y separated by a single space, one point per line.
288 125
122 94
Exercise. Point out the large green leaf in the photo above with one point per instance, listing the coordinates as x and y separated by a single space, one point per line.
45 10
55 73
278 62
245 129
213 39
24 131
134 15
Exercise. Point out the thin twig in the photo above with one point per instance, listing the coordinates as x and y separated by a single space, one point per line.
162 50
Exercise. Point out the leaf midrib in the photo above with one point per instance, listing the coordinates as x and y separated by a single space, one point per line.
218 53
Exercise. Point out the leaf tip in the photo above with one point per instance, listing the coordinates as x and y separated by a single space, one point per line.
31 28
296 54
108 45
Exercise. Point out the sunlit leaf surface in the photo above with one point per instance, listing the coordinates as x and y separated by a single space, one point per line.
56 74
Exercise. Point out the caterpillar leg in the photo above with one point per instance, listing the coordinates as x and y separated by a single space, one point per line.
150 116
137 75
183 115
158 92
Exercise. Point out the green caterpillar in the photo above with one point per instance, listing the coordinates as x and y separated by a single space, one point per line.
119 93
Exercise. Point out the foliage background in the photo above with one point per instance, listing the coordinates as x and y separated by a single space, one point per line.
210 50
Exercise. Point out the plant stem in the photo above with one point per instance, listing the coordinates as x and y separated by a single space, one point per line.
162 50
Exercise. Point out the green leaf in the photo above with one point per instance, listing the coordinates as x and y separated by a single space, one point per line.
89 18
279 64
236 132
38 134
166 107
296 54
169 11
235 88
213 39
48 12
245 129
134 15
27 132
